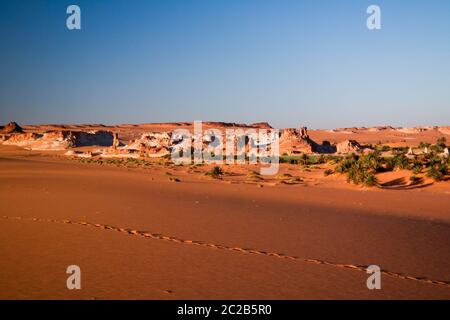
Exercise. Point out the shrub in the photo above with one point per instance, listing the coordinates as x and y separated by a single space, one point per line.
321 159
360 170
369 180
417 168
334 159
345 165
415 179
360 175
215 172
289 159
328 172
294 180
435 174
304 159
437 149
400 161
372 161
438 168
399 150
424 145
441 142
384 148
254 175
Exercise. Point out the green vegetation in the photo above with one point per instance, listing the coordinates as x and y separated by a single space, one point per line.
415 179
289 159
437 168
424 145
399 150
174 179
308 160
215 172
254 175
399 161
416 167
128 162
382 148
361 169
441 142
293 180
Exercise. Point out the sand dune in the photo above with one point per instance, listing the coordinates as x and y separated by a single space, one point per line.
137 234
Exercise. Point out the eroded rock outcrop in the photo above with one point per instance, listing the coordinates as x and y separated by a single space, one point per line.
348 146
296 141
151 144
59 140
292 141
11 127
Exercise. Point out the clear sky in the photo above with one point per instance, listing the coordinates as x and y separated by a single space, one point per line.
291 63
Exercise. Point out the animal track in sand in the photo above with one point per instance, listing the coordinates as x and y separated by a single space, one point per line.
158 236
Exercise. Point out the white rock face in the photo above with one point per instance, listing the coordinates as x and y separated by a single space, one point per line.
152 144
410 152
348 146
152 140
59 140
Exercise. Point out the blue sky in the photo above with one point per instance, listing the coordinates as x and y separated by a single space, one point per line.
291 63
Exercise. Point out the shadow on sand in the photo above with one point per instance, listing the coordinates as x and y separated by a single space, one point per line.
401 184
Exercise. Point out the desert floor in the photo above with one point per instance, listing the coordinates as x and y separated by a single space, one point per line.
135 233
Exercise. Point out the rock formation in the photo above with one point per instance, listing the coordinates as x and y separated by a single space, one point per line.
116 142
11 127
261 125
348 146
151 144
296 141
292 142
59 139
304 133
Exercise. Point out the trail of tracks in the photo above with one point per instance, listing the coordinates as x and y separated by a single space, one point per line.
157 236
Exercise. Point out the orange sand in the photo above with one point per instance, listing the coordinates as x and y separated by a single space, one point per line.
404 231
